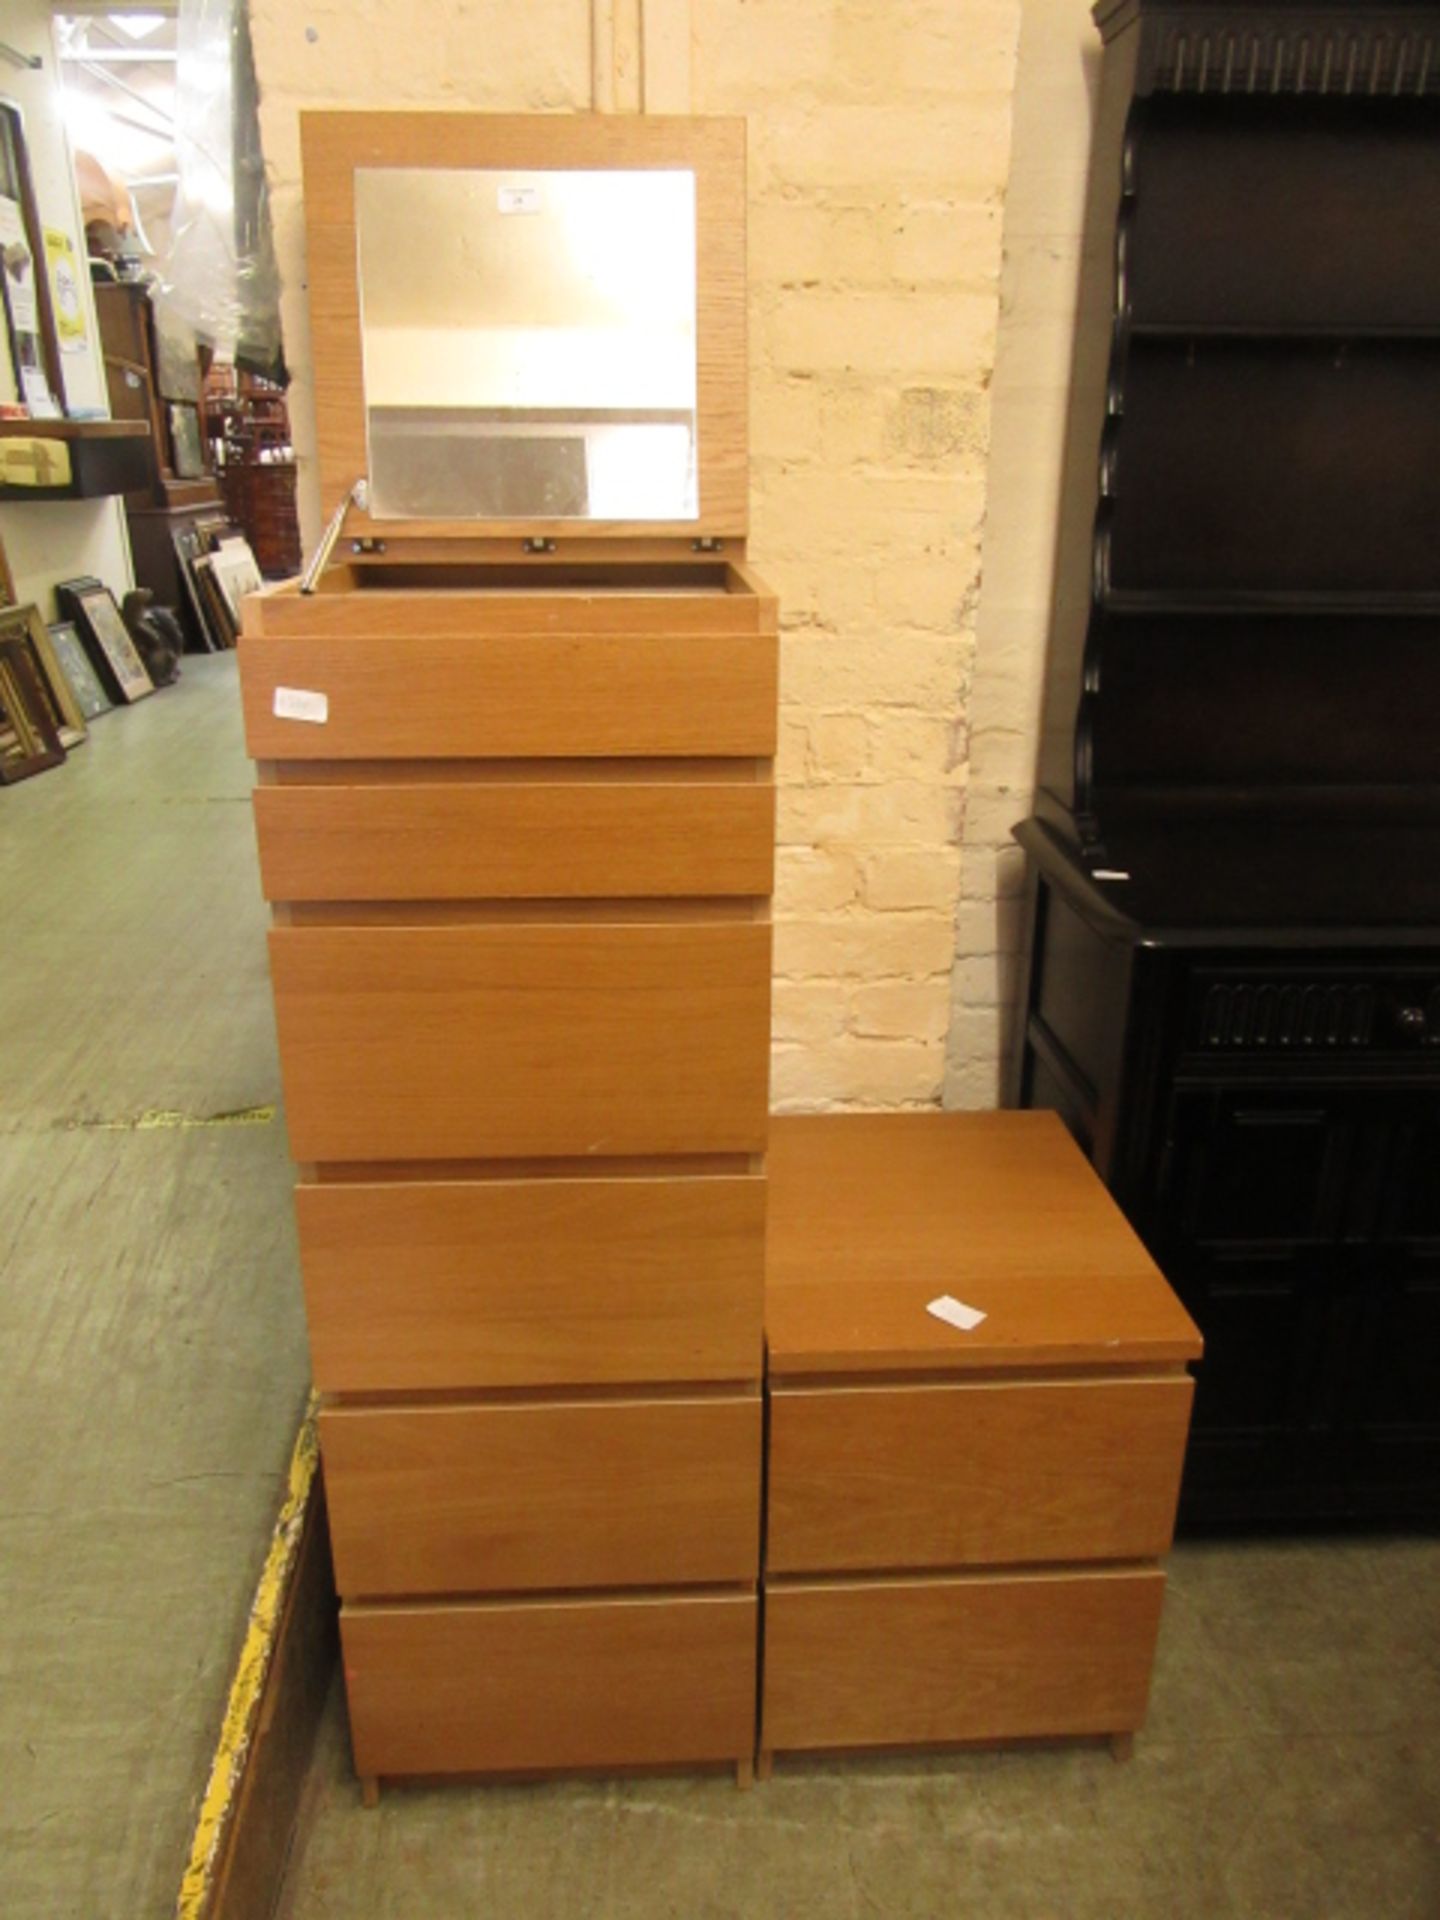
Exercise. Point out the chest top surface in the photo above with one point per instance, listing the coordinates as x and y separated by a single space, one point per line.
871 1217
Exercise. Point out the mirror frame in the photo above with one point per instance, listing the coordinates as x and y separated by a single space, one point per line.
334 143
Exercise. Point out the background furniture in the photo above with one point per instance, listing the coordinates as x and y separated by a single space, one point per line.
1234 984
247 418
963 1528
167 498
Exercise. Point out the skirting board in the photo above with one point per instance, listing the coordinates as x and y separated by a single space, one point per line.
291 1647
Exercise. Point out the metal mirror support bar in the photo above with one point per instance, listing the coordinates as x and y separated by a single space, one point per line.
357 495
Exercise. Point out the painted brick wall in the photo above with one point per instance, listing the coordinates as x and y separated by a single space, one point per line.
879 155
879 145
1057 75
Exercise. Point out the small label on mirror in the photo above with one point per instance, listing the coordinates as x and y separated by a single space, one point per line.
518 199
298 703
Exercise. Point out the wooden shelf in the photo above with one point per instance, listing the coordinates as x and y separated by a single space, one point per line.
74 430
106 457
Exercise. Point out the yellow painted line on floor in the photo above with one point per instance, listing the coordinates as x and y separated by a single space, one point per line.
242 1708
160 1118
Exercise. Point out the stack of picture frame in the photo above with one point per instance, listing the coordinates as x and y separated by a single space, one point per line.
54 680
218 568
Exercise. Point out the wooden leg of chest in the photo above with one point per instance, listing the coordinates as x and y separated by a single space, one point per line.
745 1774
369 1790
1122 1746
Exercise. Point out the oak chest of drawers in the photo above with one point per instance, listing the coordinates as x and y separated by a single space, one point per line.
964 1528
515 821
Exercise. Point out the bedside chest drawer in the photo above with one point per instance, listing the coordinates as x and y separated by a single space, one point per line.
1004 1657
392 695
506 1687
516 839
974 1474
502 1498
413 1284
515 1039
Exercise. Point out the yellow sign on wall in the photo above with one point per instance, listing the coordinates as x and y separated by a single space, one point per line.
65 290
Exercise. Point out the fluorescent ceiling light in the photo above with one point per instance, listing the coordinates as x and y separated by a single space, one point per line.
138 25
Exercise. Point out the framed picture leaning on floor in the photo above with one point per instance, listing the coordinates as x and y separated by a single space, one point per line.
28 741
24 626
78 668
91 605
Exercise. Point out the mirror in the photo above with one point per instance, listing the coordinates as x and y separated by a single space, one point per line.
529 343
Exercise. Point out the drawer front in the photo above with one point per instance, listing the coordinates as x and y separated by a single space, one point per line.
909 1663
470 1042
977 1474
513 695
496 1499
509 1283
501 839
506 1688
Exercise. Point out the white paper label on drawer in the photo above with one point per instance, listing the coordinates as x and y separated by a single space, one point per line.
296 703
955 1313
518 199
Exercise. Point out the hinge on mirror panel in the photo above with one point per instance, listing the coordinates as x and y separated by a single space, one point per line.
537 543
707 543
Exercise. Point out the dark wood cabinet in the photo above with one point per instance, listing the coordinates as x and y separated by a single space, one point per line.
166 498
1233 993
1265 1105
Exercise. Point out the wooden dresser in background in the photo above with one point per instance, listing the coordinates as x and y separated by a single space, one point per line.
516 823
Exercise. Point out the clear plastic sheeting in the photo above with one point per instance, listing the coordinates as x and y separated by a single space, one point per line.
220 276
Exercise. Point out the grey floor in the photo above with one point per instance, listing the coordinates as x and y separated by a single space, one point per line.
152 1355
1290 1771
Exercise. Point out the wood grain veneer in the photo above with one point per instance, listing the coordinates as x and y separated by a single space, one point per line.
874 1215
500 839
513 695
985 1473
915 1662
335 143
458 1042
511 1283
480 598
613 1493
550 1684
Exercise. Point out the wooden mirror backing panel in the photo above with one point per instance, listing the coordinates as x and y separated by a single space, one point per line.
334 144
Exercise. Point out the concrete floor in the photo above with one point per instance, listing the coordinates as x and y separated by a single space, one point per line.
1290 1771
152 1354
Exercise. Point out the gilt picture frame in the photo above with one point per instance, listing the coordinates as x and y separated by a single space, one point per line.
28 741
25 626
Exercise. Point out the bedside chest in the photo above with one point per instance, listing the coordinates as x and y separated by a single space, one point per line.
964 1528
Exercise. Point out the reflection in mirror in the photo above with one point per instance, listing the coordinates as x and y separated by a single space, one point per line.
529 343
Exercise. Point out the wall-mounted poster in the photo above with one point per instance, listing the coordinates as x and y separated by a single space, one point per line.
65 294
23 310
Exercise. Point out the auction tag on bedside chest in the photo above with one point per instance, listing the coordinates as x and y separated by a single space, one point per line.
296 703
955 1313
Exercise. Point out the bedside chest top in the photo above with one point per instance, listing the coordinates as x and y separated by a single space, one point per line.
872 1216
